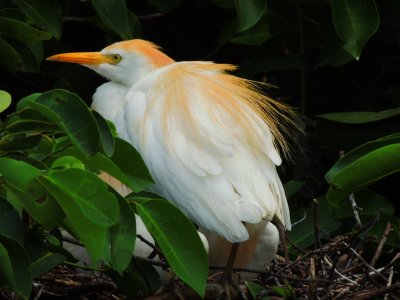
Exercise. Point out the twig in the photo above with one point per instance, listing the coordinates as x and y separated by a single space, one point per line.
353 201
300 220
340 274
377 292
151 16
282 235
389 283
316 224
382 242
365 262
151 245
355 208
313 285
40 292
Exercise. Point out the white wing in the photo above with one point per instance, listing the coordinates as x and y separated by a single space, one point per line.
207 150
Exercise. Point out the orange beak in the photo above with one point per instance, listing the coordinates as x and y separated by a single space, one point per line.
82 58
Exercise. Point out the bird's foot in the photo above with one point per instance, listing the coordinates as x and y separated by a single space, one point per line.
231 287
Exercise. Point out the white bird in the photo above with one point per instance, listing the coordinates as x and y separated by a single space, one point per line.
209 139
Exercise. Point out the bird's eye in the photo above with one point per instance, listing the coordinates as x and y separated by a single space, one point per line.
116 58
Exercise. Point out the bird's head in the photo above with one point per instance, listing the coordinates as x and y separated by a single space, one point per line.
124 62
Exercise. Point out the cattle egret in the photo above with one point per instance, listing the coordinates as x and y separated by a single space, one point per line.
210 140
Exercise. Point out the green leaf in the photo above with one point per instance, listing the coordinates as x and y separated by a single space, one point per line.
20 143
123 236
67 162
370 203
15 266
256 35
72 115
254 289
249 12
286 293
22 32
355 22
125 165
106 136
5 100
115 16
132 165
165 6
45 263
17 14
46 13
92 235
139 280
10 59
10 222
302 234
17 173
178 240
24 102
332 53
360 117
366 164
40 205
89 192
292 187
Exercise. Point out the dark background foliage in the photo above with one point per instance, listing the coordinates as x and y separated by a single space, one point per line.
322 57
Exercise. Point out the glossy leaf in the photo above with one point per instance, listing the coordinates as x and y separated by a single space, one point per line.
332 53
46 263
302 234
18 173
115 16
11 60
355 22
256 35
123 236
30 124
15 266
106 136
91 235
5 100
89 192
366 164
132 165
139 280
254 289
292 187
178 240
360 117
24 102
249 12
41 206
126 165
22 32
20 143
46 13
10 221
72 115
370 203
67 162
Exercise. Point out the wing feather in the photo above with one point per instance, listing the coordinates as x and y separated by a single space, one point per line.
208 148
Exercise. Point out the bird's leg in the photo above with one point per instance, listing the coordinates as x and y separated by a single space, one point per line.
226 277
228 270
